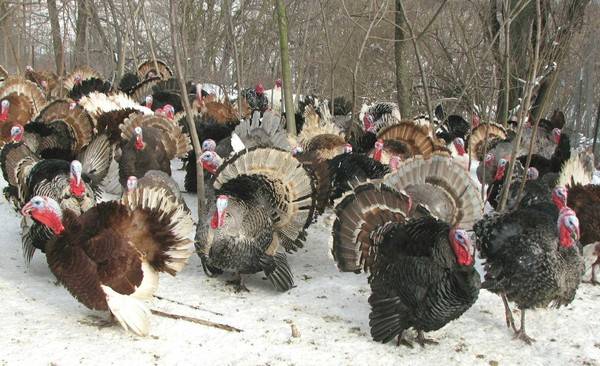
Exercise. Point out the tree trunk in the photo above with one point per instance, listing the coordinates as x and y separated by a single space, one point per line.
403 77
236 57
80 33
56 39
286 71
188 108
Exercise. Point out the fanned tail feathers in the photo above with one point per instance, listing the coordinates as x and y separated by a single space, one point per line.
359 215
180 222
443 186
292 188
176 142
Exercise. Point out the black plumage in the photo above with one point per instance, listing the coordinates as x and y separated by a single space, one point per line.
524 260
454 126
89 86
416 281
128 82
351 168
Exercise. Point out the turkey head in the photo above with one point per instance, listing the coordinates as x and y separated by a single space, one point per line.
462 247
46 211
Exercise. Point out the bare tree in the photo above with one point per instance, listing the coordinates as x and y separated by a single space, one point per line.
285 67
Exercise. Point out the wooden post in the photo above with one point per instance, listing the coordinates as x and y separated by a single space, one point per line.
188 109
286 71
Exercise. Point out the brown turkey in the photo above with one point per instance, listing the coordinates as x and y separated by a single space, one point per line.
110 257
151 143
20 101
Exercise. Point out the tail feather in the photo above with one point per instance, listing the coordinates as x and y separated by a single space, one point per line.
78 120
17 86
84 72
96 159
359 214
148 66
131 313
177 220
477 138
416 136
574 172
176 142
441 184
278 271
292 187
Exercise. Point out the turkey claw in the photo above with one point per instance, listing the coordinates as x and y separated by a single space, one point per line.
404 342
238 286
422 341
524 337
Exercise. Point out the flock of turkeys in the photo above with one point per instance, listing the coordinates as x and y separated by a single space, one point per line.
405 208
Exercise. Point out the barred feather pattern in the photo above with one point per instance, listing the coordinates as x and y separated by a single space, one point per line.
443 186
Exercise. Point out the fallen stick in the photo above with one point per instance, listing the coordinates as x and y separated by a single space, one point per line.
207 323
188 305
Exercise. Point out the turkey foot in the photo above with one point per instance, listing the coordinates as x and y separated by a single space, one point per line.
510 321
520 334
422 341
100 323
238 283
402 341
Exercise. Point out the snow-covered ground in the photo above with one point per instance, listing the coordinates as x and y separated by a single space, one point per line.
42 324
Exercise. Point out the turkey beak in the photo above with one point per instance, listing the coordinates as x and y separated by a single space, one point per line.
26 210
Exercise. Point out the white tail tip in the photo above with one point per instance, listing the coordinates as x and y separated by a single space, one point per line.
131 313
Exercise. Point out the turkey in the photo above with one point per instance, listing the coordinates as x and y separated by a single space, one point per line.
20 101
264 202
421 269
531 258
379 115
440 187
453 127
481 143
346 169
159 180
562 153
318 142
110 112
109 258
151 143
254 100
74 185
148 70
80 75
46 80
257 132
60 131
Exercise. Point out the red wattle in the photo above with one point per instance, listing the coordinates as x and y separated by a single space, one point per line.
50 219
214 221
460 150
377 155
77 189
3 117
211 168
139 144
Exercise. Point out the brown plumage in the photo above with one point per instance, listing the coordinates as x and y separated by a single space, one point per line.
414 135
64 127
224 113
24 100
109 257
441 186
151 143
46 80
147 70
477 138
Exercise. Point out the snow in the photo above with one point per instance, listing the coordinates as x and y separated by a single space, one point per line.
43 324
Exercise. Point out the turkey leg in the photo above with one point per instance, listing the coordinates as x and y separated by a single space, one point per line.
521 333
238 283
510 321
422 341
403 341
